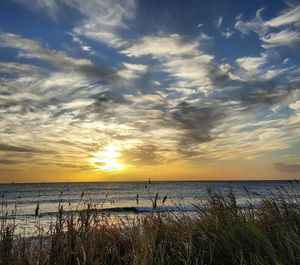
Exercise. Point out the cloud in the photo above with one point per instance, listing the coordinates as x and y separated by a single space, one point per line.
158 46
295 106
82 43
205 37
282 38
147 154
104 19
289 17
256 73
9 162
227 33
49 6
252 64
288 168
256 24
264 96
19 149
182 60
202 95
101 21
132 71
195 122
33 49
166 99
287 36
255 93
24 69
219 22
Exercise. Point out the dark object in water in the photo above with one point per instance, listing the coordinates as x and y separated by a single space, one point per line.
36 213
137 198
155 201
164 199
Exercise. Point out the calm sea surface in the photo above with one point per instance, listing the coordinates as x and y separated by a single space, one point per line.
19 201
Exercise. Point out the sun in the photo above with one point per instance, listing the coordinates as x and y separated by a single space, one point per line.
108 159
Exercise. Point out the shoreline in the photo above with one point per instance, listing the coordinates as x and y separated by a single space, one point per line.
220 233
153 181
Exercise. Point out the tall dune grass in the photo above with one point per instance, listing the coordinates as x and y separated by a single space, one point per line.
219 233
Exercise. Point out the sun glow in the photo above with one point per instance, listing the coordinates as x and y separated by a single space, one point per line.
108 160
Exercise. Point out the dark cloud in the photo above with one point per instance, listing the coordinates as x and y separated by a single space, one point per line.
142 155
66 165
102 72
105 105
9 162
19 149
266 96
12 148
31 49
196 122
263 94
255 92
288 168
108 97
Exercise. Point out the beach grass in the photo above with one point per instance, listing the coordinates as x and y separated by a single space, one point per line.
220 232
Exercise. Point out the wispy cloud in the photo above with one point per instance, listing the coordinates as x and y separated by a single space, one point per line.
13 148
252 64
219 22
290 17
9 162
181 60
282 38
158 46
132 71
28 48
160 97
288 168
286 24
101 21
227 33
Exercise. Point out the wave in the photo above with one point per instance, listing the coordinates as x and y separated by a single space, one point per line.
133 210
129 210
144 209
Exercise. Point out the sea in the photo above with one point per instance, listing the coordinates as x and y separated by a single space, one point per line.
27 205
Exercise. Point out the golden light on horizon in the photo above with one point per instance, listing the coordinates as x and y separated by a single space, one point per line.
108 160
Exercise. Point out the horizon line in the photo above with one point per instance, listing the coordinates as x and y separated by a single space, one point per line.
146 181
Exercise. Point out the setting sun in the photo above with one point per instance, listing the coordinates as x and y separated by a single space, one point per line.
126 91
127 128
108 159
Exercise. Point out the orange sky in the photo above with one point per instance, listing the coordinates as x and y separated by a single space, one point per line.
131 90
175 171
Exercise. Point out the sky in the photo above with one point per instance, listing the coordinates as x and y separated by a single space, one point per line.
117 90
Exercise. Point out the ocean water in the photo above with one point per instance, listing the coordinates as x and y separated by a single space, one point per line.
19 201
